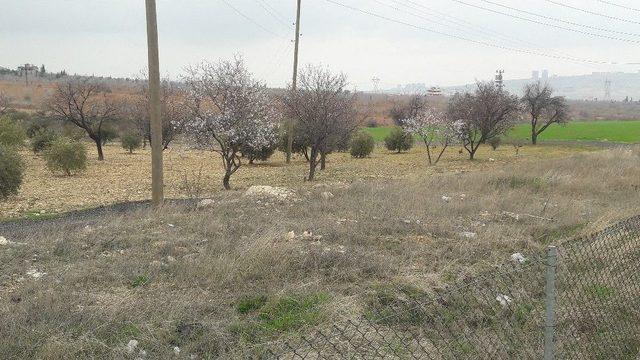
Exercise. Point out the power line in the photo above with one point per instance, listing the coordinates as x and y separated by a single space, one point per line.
547 24
593 12
269 10
250 19
619 5
276 12
480 29
479 42
560 20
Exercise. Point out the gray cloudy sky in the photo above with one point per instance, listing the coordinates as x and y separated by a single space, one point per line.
108 37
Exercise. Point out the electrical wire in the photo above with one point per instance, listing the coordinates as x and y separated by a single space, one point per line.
593 12
269 11
619 5
251 19
547 24
479 42
560 20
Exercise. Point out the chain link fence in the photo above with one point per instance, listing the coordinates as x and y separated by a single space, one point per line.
580 300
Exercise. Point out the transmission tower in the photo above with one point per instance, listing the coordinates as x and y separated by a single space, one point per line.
499 79
376 84
607 89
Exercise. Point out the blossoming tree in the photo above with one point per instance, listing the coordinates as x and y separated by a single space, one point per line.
433 128
231 112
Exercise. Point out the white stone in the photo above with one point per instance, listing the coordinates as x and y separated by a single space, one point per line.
176 350
518 257
205 203
468 234
492 159
4 241
269 191
131 346
36 274
307 233
291 235
504 300
327 195
446 198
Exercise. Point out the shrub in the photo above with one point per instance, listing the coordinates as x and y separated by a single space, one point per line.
73 132
495 142
108 134
34 128
372 123
11 134
11 171
261 154
42 139
67 156
398 140
362 145
131 142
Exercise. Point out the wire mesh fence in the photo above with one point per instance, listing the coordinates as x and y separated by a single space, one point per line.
592 311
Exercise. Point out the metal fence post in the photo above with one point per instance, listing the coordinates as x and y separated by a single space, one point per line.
550 302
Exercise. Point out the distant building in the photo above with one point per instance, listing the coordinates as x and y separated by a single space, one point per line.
535 75
545 74
434 91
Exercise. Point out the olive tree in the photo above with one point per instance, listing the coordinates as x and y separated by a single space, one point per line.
83 102
486 113
433 128
324 111
230 112
543 108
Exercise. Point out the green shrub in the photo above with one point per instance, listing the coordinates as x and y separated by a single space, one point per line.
67 156
42 139
262 154
398 140
73 132
362 145
495 142
11 134
107 134
11 171
131 142
34 128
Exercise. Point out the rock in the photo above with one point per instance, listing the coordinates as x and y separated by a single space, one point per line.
327 195
4 241
36 274
131 346
205 203
518 257
504 300
291 235
269 191
176 350
468 234
446 198
307 234
406 221
492 159
171 259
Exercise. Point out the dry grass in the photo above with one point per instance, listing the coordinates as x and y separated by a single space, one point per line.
214 280
124 177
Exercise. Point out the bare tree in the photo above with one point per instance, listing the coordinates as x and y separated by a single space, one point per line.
231 111
324 111
5 102
174 112
83 101
407 110
487 113
543 108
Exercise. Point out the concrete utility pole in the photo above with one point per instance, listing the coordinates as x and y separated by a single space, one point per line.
294 83
157 186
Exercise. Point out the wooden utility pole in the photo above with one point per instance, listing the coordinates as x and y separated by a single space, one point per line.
157 186
294 83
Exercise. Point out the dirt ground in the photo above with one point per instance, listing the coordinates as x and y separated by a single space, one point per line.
125 177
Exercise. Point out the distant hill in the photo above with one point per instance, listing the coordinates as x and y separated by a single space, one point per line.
579 87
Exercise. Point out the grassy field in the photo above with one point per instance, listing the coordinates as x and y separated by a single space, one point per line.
188 173
222 281
611 131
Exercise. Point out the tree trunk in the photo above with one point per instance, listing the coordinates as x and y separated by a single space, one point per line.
99 147
225 180
323 159
534 137
312 164
429 153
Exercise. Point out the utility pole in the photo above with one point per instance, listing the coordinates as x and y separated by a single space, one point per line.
157 187
294 83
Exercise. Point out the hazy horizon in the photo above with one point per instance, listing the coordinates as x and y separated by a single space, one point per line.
390 41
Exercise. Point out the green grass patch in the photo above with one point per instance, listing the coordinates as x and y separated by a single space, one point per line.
250 304
601 291
140 280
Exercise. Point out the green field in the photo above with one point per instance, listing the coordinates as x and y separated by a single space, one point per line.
613 131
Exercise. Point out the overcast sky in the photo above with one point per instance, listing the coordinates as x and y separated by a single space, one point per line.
467 43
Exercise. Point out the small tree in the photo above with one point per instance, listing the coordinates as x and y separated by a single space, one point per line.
42 139
324 112
82 101
487 113
362 145
543 108
11 134
399 140
231 111
5 103
495 142
131 142
108 133
11 172
67 156
433 128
